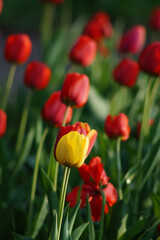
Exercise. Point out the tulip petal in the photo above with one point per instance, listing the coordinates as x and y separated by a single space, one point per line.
111 194
92 135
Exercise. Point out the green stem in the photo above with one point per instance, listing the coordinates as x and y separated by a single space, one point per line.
47 24
23 122
144 121
8 86
62 199
65 117
34 180
119 169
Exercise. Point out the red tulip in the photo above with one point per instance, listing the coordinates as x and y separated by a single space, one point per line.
126 72
75 90
54 110
18 48
1 6
154 20
37 75
84 51
53 1
149 59
133 40
99 27
95 181
3 122
117 126
139 125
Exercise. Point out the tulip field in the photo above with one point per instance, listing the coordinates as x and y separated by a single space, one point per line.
80 126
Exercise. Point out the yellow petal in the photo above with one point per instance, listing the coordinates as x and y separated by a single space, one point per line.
72 149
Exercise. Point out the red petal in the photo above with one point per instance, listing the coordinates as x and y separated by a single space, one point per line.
111 194
84 173
92 135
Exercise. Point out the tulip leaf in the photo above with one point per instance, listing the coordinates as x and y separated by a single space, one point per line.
102 216
91 229
51 194
156 204
135 229
54 230
149 233
65 232
78 231
73 214
40 218
20 237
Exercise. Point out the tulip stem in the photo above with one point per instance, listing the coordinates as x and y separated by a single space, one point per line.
144 120
8 86
65 117
23 122
119 169
62 199
34 180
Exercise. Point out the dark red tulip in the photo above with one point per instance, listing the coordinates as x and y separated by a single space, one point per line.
52 1
54 110
37 75
99 27
154 20
3 122
75 90
84 51
126 72
139 125
18 48
95 181
149 59
133 40
1 6
117 126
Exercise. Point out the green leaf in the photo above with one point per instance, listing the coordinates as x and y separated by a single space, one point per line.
78 231
102 216
118 212
20 237
149 233
135 229
156 204
65 232
40 218
73 214
91 230
51 194
54 231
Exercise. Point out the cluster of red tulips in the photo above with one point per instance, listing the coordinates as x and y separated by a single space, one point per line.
103 196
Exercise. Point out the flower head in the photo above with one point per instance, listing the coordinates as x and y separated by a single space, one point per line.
37 75
117 126
126 72
84 51
149 59
75 90
54 110
3 122
18 48
133 40
95 181
73 144
154 20
99 27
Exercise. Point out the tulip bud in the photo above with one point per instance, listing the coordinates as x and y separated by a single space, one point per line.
126 72
154 20
117 126
99 27
3 122
37 75
149 59
18 48
75 90
1 6
133 40
84 51
73 144
54 110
